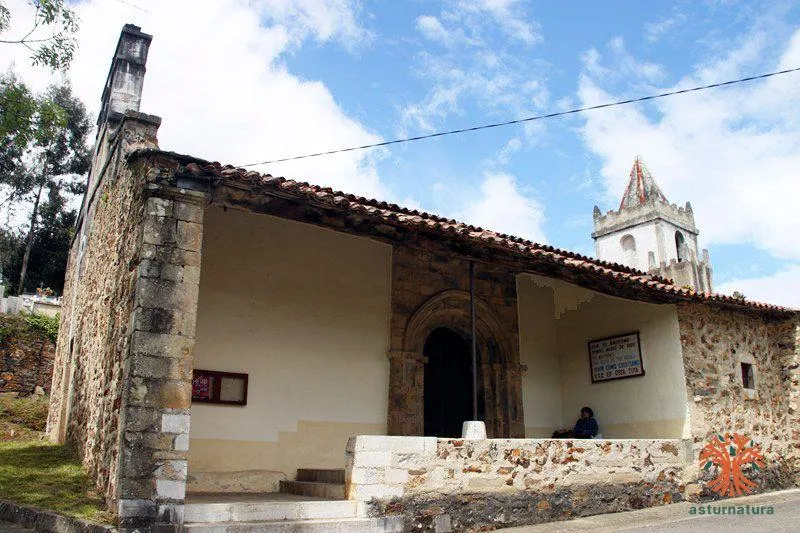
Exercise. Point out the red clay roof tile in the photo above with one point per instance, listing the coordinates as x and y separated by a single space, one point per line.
416 219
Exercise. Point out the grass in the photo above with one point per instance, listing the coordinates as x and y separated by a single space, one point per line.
47 476
22 418
37 473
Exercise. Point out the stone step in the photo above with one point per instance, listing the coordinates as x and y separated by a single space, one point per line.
321 475
329 491
351 525
250 511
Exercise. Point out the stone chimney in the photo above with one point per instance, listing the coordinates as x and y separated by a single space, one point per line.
123 90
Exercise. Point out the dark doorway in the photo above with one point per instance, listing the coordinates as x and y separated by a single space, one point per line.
448 383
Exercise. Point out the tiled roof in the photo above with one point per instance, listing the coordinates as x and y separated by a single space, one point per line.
420 221
642 188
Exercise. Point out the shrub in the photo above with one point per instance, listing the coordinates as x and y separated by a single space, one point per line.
44 324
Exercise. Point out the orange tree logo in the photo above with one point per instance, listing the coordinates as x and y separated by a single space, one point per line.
731 454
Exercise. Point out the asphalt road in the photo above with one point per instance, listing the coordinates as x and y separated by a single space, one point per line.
676 518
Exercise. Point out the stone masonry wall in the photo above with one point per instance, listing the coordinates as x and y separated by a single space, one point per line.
26 357
444 484
419 276
715 343
88 380
123 377
157 401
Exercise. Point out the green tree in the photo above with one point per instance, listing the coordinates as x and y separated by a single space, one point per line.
54 156
50 39
49 36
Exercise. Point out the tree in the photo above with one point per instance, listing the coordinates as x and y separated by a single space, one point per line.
53 50
54 155
50 249
50 36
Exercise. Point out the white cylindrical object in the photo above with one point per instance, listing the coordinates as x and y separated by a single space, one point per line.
473 430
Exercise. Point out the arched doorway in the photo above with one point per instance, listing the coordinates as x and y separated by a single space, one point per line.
448 383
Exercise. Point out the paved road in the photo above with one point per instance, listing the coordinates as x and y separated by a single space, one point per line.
676 518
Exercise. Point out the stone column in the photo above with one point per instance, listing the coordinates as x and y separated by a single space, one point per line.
158 370
406 401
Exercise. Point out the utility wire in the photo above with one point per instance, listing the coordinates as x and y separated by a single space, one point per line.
527 119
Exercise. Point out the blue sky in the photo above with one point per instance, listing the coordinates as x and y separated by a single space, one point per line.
244 82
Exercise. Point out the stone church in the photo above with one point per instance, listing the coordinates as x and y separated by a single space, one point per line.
239 351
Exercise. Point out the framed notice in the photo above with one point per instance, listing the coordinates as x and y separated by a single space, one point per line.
616 358
211 386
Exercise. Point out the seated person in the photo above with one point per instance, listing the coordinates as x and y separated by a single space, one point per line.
586 427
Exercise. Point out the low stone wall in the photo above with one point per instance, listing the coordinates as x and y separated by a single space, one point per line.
26 357
445 484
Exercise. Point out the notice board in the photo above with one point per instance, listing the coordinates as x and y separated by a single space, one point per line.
615 358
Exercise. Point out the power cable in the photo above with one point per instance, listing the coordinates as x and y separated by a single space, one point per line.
527 119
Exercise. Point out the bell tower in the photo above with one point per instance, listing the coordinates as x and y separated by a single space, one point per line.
650 234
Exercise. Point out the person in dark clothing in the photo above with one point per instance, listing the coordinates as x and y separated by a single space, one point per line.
586 427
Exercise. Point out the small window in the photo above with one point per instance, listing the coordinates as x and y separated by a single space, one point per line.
211 386
680 246
628 243
748 377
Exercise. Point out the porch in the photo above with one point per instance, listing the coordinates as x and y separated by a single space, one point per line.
310 315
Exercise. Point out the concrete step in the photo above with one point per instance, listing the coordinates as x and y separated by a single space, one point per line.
251 511
321 475
329 491
351 525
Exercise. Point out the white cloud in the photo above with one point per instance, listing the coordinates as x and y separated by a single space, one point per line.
508 15
432 29
782 288
476 68
733 152
653 31
325 20
215 75
626 66
505 208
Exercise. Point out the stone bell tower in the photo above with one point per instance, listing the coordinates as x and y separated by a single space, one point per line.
648 233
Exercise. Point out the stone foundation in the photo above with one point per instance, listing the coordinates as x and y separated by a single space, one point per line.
461 484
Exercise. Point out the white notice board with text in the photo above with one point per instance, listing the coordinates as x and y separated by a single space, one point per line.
616 357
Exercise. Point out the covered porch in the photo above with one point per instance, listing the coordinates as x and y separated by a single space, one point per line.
342 330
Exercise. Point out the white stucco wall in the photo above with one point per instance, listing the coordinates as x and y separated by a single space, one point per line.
609 247
649 406
305 312
538 344
558 375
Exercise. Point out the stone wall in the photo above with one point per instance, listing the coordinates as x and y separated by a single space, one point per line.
26 357
122 386
715 343
447 484
431 290
93 340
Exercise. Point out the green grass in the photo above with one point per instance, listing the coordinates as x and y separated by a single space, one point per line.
37 473
22 417
48 476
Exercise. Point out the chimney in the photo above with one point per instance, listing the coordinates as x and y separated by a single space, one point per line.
123 90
